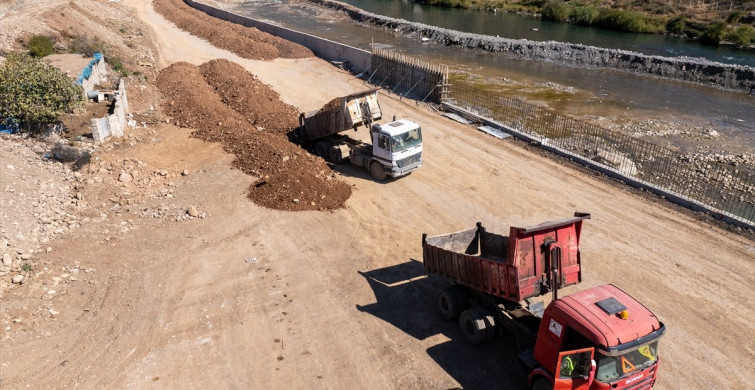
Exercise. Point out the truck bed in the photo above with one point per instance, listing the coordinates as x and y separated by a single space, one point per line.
513 267
340 114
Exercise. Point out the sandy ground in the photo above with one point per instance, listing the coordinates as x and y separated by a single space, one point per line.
251 298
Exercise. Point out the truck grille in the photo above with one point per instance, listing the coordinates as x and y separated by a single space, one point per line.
409 160
645 383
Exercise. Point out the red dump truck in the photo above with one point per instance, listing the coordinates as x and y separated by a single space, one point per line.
599 338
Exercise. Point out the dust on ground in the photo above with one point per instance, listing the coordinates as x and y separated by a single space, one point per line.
149 266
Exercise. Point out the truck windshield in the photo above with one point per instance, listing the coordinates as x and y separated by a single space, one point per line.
406 140
611 368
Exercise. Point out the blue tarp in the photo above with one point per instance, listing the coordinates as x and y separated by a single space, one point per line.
9 126
87 72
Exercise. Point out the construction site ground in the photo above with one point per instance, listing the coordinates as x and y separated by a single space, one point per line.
241 293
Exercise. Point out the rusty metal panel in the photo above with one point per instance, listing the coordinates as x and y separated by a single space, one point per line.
514 267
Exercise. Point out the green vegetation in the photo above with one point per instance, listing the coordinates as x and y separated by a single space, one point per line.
612 19
35 93
712 22
26 267
87 46
742 36
40 46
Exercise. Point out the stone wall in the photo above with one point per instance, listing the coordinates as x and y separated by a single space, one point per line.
695 70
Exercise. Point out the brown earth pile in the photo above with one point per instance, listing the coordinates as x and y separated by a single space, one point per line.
255 101
289 178
247 42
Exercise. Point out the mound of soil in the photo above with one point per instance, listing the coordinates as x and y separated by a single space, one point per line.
289 178
256 102
247 42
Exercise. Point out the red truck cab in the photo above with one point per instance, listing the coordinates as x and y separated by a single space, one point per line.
600 338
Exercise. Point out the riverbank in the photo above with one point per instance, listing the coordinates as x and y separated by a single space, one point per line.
695 70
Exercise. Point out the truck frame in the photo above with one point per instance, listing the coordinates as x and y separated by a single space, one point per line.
598 338
394 149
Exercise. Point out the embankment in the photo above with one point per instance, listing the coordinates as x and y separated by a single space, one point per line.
695 70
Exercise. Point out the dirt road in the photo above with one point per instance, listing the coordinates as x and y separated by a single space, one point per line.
251 298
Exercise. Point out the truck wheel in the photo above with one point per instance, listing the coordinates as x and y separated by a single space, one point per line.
322 148
490 323
541 384
448 303
377 171
335 155
473 326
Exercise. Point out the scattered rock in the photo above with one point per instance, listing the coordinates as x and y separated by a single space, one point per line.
192 211
18 279
125 177
7 260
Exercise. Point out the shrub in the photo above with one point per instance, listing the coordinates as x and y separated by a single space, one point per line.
583 15
35 93
714 33
631 21
86 46
40 46
677 25
556 10
735 17
743 36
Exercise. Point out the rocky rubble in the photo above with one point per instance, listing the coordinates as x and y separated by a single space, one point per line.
38 202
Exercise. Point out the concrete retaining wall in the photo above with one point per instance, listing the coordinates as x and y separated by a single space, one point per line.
696 70
98 72
114 124
358 59
607 170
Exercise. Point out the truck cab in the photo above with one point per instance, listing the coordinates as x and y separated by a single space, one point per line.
397 146
600 338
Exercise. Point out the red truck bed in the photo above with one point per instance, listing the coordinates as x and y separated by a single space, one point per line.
514 267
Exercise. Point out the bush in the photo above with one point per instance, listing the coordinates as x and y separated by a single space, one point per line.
743 36
556 10
714 33
40 46
35 93
86 46
583 15
631 21
677 25
735 17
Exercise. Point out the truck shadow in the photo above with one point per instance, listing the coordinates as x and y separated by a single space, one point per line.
405 299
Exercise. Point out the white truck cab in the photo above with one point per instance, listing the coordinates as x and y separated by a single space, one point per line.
397 146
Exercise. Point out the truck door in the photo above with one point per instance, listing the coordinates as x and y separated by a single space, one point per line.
382 147
575 370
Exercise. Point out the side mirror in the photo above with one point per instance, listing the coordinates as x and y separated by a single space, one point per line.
591 376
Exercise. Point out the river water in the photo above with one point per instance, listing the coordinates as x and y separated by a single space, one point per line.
516 26
598 92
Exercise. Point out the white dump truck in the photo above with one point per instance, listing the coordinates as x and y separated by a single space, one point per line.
394 149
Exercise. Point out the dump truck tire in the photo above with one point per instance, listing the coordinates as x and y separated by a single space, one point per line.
541 384
473 326
490 329
449 303
377 171
322 148
334 155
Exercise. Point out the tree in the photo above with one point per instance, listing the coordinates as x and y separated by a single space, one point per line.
35 93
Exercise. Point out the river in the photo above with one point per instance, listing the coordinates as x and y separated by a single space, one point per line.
595 92
517 26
